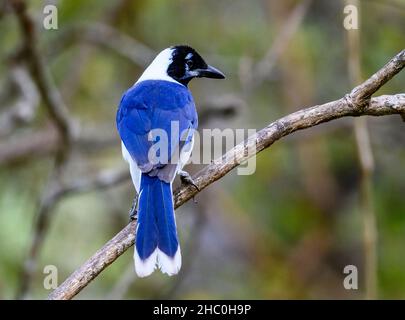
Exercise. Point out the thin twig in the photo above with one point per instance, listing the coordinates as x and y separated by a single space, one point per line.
46 87
263 68
366 160
23 109
41 143
55 193
349 105
106 36
104 180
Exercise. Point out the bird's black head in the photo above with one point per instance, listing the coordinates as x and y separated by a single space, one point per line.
187 64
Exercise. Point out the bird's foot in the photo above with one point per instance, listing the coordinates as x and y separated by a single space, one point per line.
133 212
186 179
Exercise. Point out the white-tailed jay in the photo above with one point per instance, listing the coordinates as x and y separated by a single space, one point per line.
157 101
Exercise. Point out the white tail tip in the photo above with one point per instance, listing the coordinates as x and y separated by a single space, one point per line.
168 265
144 268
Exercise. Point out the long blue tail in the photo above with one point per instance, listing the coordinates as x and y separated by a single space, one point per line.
156 238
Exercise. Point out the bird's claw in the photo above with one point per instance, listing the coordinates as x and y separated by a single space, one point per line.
133 212
186 179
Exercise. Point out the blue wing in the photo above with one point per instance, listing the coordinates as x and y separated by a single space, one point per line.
150 105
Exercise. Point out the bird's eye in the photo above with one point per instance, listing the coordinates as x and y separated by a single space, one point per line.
189 64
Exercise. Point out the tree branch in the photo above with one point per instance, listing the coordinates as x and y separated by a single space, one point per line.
41 143
366 162
262 70
350 105
22 110
101 34
47 89
60 117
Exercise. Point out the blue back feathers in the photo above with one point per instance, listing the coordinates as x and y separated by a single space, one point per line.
153 104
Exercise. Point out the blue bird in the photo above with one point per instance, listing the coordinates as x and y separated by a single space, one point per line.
156 120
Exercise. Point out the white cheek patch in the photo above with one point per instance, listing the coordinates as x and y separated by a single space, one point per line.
189 56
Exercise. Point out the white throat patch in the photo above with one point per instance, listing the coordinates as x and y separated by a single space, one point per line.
157 70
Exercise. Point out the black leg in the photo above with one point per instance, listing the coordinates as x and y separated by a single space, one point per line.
134 209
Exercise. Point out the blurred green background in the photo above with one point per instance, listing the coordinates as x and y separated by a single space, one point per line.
285 232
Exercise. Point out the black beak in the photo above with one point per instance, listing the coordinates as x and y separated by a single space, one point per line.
210 72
